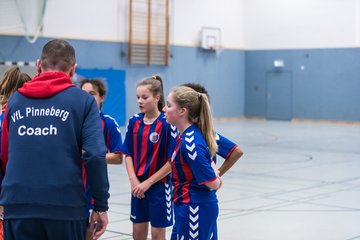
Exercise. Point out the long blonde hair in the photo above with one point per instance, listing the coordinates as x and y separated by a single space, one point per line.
199 112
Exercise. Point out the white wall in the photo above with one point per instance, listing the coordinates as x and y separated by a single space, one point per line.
284 24
95 20
190 15
87 19
245 24
108 20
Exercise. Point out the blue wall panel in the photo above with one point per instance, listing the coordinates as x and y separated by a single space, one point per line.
326 82
222 74
114 103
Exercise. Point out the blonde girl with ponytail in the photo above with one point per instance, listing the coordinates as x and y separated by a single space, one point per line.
194 175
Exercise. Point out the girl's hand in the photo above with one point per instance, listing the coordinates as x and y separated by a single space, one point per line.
134 181
140 189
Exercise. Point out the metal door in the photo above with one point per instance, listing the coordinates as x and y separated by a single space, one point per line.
279 95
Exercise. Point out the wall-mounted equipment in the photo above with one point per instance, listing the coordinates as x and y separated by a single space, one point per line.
279 64
149 32
210 38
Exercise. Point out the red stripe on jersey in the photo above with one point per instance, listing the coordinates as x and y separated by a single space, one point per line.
144 146
155 157
175 173
135 159
176 182
188 176
201 183
227 156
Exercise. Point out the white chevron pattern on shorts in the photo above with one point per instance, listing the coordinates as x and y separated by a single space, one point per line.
194 223
194 218
168 201
194 210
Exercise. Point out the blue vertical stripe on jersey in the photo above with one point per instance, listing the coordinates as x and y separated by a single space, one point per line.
135 145
143 140
148 144
155 149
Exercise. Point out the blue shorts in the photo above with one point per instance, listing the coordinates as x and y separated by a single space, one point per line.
195 221
43 229
155 208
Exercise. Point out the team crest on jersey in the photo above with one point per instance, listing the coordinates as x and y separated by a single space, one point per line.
154 137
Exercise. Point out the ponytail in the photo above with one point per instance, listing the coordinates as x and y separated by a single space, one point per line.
204 122
199 113
161 102
155 84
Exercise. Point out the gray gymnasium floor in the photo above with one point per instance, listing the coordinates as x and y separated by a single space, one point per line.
296 181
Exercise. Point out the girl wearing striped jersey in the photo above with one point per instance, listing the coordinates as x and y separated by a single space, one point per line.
227 149
194 173
145 147
111 130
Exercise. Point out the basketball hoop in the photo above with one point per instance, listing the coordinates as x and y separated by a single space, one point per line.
210 38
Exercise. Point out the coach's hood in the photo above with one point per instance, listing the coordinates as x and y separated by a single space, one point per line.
46 85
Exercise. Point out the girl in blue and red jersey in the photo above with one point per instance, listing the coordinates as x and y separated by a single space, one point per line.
147 139
227 149
111 130
194 173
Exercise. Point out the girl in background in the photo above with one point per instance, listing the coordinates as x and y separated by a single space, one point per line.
111 131
194 173
147 139
12 80
112 134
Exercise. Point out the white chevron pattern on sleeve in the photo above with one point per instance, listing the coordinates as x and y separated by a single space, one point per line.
174 131
190 145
